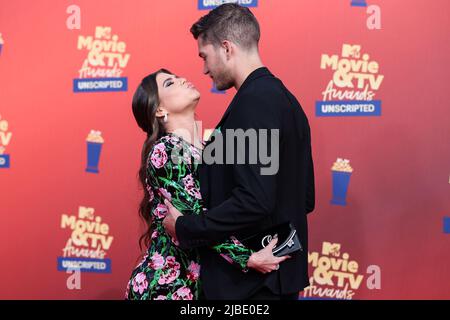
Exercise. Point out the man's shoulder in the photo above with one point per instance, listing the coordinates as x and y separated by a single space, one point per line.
264 86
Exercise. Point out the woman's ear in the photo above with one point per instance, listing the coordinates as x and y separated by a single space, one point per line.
160 112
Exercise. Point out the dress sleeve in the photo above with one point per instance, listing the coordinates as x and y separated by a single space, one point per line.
234 252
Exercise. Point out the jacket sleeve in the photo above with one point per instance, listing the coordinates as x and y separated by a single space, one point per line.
310 192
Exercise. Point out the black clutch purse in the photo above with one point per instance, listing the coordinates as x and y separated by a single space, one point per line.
288 241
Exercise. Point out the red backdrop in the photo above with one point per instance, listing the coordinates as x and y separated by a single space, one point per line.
396 210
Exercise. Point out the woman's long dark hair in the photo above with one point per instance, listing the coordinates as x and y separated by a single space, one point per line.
145 104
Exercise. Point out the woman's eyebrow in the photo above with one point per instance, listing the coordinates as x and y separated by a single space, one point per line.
171 78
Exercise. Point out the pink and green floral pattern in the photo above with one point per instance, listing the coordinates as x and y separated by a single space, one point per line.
168 272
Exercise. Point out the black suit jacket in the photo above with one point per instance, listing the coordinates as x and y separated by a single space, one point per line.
241 201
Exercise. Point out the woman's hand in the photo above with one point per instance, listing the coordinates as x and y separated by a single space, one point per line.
264 261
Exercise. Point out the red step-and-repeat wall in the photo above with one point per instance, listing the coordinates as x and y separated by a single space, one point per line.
372 76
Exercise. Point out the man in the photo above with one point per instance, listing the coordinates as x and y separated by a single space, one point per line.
243 199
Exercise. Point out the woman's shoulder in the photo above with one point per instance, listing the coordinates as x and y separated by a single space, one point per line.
161 150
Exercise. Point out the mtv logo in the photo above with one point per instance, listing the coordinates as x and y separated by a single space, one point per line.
351 51
333 249
86 213
103 32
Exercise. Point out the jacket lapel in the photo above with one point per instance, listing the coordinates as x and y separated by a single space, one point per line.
203 169
260 72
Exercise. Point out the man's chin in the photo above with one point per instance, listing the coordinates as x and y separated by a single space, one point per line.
223 87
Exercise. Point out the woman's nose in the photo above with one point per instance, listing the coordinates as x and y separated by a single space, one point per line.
182 81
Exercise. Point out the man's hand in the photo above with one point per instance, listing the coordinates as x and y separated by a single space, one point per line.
264 261
170 219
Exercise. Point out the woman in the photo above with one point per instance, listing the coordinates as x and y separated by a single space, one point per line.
164 107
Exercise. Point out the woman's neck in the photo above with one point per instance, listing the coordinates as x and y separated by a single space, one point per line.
184 126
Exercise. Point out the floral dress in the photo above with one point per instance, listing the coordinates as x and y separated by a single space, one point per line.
166 271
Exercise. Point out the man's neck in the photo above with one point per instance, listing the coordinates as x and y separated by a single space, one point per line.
246 68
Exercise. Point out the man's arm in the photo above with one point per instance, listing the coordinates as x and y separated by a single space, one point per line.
310 191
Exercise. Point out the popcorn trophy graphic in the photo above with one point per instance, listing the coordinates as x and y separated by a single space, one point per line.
1 43
94 148
341 171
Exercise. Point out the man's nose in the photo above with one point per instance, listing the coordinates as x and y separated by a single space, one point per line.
205 69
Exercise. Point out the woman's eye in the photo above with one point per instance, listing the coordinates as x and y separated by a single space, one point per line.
169 84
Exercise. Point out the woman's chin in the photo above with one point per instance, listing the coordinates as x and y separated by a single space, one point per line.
197 96
194 103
